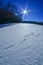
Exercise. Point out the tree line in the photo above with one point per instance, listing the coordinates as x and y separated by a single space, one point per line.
9 13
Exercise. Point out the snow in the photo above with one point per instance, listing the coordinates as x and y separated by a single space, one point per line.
21 44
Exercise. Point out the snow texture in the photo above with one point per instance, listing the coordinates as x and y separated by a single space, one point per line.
21 44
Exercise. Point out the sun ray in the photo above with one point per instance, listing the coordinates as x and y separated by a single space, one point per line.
25 11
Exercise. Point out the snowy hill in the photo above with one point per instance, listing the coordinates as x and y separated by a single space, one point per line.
21 44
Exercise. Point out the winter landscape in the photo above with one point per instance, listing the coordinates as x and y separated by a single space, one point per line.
21 32
21 44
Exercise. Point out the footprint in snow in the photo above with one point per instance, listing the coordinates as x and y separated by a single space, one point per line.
1 57
23 41
9 46
32 33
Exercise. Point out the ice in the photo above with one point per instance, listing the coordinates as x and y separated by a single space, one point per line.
21 44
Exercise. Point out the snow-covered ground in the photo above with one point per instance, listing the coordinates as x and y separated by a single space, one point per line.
21 44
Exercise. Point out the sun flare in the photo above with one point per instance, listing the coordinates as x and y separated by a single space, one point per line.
25 11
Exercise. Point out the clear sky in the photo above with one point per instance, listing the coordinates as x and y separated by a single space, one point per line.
35 5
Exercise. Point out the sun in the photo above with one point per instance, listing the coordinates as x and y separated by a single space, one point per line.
25 11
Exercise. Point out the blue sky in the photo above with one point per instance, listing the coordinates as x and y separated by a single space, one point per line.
35 5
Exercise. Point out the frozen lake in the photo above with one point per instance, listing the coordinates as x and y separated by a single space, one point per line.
21 44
